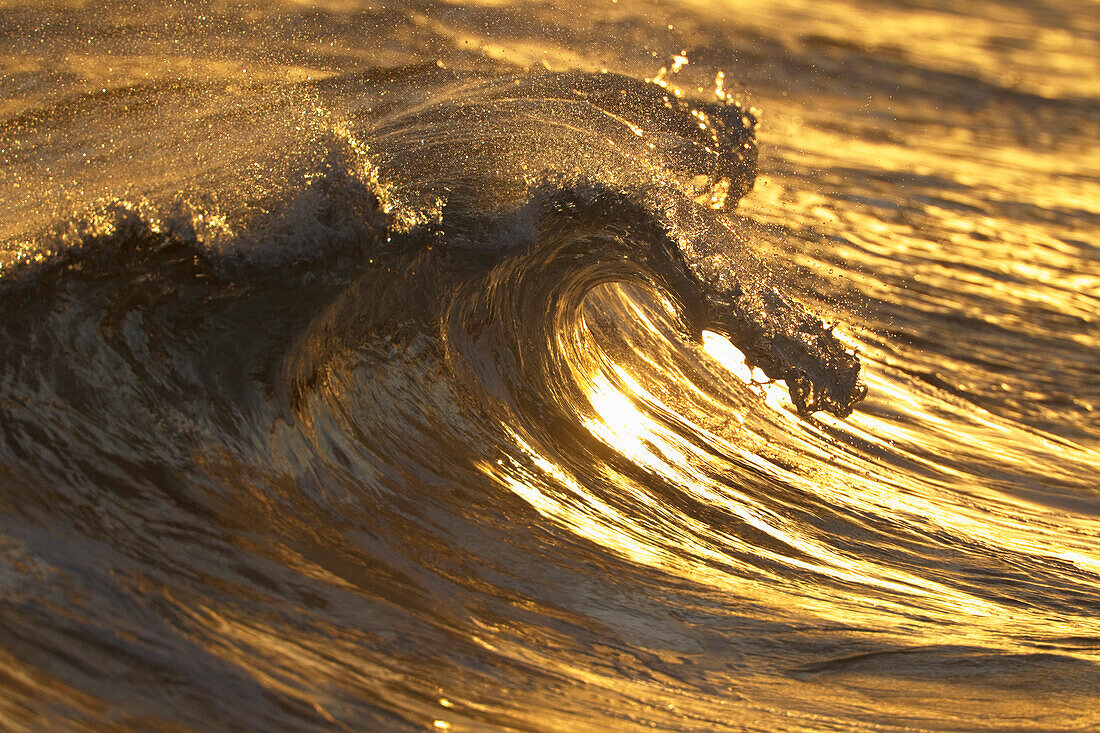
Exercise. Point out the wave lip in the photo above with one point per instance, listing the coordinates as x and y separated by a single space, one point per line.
583 235
787 342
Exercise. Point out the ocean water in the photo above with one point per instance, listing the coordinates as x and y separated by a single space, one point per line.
502 366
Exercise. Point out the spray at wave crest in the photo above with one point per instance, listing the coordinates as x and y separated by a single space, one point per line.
532 189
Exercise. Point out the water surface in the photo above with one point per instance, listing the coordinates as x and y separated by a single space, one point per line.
491 366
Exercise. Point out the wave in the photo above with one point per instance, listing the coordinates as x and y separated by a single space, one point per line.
405 387
506 197
220 387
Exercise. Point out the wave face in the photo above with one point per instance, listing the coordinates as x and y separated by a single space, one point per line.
409 367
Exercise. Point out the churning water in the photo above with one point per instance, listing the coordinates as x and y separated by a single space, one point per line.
497 366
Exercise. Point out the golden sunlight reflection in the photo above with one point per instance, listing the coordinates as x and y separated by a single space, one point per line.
654 534
774 392
313 415
963 503
636 521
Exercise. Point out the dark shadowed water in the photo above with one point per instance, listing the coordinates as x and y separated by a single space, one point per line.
494 366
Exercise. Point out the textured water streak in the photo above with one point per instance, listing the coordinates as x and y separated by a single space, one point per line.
375 366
